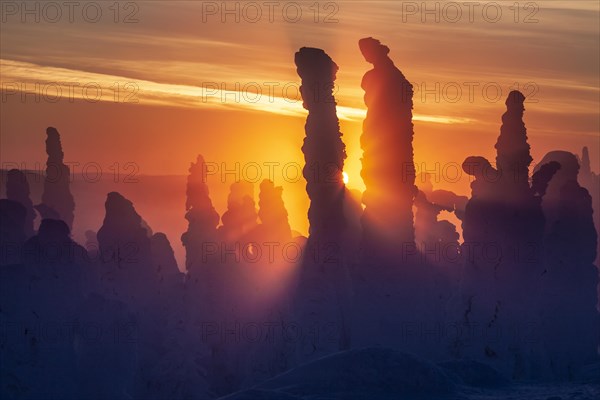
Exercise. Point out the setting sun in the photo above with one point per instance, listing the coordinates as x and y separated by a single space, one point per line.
345 177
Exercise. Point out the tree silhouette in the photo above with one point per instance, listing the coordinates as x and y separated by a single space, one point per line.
240 217
324 151
503 237
53 245
570 279
591 181
125 250
201 215
13 217
513 157
17 189
57 198
163 256
272 213
387 164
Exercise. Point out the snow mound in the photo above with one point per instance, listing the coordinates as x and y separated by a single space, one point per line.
473 373
258 394
372 373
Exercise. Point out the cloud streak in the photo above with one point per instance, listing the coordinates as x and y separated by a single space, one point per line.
52 84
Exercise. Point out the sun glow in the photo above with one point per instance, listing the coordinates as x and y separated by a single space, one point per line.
345 177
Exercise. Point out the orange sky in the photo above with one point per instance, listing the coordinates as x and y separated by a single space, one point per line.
194 77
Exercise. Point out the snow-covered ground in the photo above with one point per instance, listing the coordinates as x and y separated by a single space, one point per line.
384 374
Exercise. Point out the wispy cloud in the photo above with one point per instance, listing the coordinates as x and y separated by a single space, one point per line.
53 84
